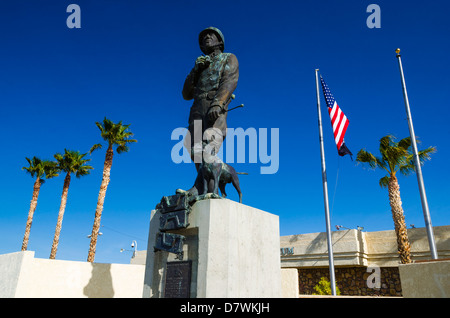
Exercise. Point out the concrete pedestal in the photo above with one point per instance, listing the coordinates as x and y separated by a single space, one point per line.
234 250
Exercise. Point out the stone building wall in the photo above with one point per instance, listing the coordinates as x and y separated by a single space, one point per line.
352 281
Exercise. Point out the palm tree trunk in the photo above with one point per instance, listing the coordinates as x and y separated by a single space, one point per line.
404 248
62 208
33 204
100 201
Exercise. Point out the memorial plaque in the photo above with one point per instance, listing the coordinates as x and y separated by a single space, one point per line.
178 279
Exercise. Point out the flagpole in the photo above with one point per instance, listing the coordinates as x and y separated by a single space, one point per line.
423 196
325 193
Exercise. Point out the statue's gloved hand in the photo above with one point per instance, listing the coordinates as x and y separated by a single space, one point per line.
214 112
201 63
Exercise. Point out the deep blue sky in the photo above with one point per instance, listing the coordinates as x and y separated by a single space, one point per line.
128 62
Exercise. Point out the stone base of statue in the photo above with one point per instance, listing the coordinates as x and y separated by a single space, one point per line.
223 250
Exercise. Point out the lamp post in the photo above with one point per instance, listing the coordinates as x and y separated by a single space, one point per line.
134 245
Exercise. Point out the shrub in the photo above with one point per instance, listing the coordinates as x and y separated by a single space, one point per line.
324 287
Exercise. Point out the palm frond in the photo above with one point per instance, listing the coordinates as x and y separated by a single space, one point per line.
30 161
41 168
100 126
364 156
383 164
407 169
83 171
95 147
425 154
31 169
409 166
122 148
130 140
73 162
386 142
384 182
405 143
115 134
51 169
395 156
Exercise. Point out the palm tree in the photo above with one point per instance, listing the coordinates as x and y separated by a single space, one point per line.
40 169
69 162
395 156
116 135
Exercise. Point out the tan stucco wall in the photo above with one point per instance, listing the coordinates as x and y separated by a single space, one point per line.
356 248
289 283
310 250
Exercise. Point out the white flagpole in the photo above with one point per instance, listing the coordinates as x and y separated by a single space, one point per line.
325 193
423 196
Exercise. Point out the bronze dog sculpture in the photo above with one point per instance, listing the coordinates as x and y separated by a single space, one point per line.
215 175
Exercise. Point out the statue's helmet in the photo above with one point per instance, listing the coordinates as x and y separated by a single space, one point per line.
219 35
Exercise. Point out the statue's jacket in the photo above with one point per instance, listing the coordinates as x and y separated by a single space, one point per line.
212 87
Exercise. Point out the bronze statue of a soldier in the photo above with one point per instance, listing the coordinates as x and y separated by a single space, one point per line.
210 84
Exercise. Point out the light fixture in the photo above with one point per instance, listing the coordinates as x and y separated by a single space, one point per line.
90 235
338 227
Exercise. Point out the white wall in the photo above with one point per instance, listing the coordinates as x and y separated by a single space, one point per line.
22 275
426 279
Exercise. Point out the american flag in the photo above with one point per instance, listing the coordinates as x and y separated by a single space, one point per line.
338 120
